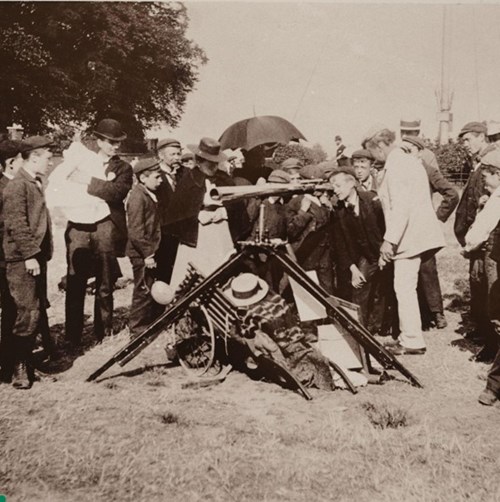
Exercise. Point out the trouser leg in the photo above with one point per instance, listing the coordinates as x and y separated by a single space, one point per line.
491 268
405 286
144 308
8 319
103 306
165 257
429 286
23 287
479 295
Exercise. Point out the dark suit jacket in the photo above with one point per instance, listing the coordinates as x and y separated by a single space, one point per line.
165 192
438 183
143 224
187 201
359 236
27 220
468 205
3 183
114 191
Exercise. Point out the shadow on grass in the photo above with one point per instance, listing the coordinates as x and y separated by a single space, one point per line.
66 354
139 371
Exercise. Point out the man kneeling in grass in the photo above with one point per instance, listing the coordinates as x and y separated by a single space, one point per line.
481 235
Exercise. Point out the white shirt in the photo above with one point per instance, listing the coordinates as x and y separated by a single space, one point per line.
72 198
353 200
484 223
171 173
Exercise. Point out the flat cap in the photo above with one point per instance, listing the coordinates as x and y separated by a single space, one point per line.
168 142
279 176
362 154
146 164
415 140
492 159
34 142
477 127
344 169
493 127
409 125
374 129
292 163
187 156
10 148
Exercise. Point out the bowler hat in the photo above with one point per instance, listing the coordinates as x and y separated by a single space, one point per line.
344 169
292 163
477 127
279 176
208 149
414 140
246 289
409 125
338 138
492 159
110 129
163 143
146 164
362 154
34 142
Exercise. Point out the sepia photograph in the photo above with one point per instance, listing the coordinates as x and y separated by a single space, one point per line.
249 251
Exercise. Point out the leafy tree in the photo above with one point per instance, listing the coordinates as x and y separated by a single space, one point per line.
77 62
453 159
312 155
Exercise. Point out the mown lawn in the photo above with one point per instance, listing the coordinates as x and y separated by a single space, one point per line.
139 436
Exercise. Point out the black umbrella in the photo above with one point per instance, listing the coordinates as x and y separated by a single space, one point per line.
255 131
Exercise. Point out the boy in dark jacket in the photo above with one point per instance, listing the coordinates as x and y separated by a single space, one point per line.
27 246
359 230
144 236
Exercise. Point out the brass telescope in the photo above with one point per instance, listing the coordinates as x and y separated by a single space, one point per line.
233 193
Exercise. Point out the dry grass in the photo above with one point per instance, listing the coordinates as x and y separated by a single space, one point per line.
138 436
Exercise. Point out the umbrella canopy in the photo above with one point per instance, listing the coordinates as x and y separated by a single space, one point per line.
255 131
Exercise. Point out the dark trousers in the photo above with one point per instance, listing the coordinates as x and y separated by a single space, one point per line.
493 380
90 248
376 299
165 257
144 309
9 313
485 298
429 290
30 297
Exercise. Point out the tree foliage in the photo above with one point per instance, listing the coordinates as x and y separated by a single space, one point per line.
77 62
312 155
453 159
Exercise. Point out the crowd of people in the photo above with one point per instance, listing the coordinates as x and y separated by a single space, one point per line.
370 232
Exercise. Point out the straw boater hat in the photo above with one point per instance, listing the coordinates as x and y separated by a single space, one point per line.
246 289
208 149
409 125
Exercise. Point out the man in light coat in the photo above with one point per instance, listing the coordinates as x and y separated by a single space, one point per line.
412 230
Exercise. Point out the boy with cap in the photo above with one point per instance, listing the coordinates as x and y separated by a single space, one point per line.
11 161
187 160
362 163
359 230
479 238
171 170
27 246
473 136
429 289
99 240
144 235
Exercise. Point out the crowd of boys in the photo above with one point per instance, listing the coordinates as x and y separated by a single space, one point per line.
371 239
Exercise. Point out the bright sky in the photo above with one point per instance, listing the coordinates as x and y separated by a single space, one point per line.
338 68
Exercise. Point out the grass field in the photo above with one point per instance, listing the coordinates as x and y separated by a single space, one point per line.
139 436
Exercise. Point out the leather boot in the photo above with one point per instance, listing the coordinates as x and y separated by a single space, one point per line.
21 378
23 370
